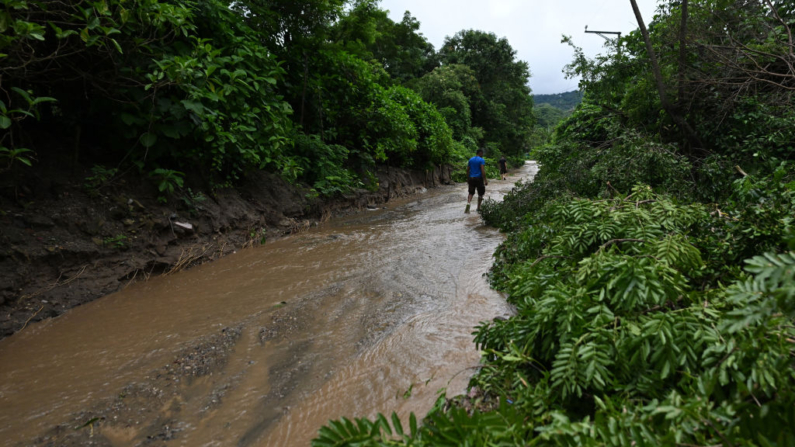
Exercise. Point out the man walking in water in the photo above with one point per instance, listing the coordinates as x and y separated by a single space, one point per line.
503 167
476 178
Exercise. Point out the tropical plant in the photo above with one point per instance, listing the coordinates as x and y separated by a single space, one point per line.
148 75
167 181
100 176
10 118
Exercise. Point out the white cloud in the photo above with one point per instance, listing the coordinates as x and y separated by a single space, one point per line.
503 8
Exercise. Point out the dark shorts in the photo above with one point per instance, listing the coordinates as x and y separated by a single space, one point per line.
476 183
503 169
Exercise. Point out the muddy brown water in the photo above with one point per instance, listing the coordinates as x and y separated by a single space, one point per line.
369 313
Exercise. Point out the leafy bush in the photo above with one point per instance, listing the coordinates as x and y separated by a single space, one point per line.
186 83
434 137
167 181
118 242
382 124
100 176
454 90
624 333
11 156
10 119
203 87
593 155
324 165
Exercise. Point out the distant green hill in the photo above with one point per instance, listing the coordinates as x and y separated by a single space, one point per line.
563 101
551 109
548 116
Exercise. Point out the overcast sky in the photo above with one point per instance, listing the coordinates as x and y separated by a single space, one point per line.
533 28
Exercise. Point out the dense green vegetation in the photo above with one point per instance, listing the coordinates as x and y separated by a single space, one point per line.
549 111
650 262
549 116
566 102
209 90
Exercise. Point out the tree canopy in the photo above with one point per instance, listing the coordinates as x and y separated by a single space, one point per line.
505 112
320 91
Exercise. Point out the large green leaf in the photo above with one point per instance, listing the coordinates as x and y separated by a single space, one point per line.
148 139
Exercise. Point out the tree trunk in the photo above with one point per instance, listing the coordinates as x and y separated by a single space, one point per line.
303 93
680 100
666 104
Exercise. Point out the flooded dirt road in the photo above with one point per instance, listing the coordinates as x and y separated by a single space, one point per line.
370 313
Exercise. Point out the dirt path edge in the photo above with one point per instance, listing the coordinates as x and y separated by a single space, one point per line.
62 246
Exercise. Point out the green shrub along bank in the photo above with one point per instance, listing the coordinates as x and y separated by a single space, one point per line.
164 84
318 91
652 259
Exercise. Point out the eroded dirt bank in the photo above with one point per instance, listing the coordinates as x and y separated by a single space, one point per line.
62 246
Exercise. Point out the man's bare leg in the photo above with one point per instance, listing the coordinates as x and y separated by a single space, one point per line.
480 199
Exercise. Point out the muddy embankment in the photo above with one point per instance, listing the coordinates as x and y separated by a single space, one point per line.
62 246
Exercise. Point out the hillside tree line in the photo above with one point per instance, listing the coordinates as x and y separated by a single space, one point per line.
319 91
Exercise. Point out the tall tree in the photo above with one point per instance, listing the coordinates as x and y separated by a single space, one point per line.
506 114
287 24
454 90
670 108
295 31
367 31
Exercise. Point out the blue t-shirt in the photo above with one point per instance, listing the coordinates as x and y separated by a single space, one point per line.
475 164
